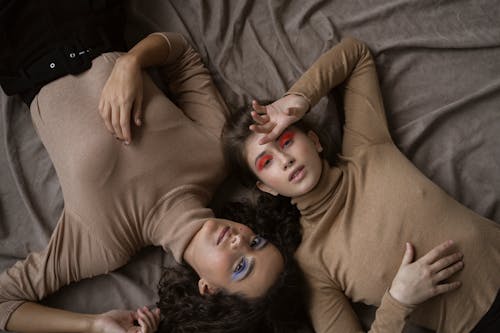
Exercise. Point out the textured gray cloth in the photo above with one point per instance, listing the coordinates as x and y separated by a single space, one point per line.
439 68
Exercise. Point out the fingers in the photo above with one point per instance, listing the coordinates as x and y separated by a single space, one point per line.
105 111
115 121
437 252
446 261
148 320
445 287
258 118
275 133
447 272
257 107
138 111
125 123
409 254
266 128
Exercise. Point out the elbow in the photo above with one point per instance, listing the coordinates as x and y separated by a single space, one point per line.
356 44
176 43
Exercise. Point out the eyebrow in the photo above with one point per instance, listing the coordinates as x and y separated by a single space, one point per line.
263 152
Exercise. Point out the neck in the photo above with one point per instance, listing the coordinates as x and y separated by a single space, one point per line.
316 201
189 254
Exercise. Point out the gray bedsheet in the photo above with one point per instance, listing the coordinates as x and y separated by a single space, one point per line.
439 68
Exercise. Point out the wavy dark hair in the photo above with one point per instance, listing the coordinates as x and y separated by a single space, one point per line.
280 310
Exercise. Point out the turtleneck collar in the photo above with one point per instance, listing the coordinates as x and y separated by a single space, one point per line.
315 202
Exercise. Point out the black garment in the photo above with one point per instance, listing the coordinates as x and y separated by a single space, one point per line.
490 323
41 40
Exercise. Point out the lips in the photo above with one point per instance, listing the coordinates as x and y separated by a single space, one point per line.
296 174
222 234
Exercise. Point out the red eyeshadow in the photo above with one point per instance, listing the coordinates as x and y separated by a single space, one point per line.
287 136
261 162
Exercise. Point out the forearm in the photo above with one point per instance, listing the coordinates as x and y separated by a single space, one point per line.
331 69
156 49
36 318
150 51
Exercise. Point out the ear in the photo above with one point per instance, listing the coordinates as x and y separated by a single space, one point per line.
206 288
315 139
264 188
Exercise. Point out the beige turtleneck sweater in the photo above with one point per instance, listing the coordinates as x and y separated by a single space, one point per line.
357 219
120 198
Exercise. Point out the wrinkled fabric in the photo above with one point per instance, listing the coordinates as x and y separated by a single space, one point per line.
440 79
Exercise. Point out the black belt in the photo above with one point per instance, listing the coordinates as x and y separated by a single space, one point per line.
69 58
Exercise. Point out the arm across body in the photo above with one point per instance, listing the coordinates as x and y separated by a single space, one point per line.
188 80
121 98
414 283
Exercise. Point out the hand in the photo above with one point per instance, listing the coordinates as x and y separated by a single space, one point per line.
148 320
121 98
122 321
115 321
416 282
274 118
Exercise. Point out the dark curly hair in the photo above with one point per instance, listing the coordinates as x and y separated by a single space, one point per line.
280 310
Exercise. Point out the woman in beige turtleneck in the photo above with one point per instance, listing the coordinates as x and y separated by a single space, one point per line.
358 214
121 197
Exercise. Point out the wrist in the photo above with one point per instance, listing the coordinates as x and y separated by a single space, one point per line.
88 324
395 295
129 61
303 100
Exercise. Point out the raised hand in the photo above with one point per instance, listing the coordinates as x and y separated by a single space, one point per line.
121 98
416 282
274 118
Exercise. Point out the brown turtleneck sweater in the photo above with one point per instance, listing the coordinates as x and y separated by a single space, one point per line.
120 198
357 219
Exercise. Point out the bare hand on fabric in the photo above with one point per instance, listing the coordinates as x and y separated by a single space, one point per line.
274 118
121 98
416 282
122 321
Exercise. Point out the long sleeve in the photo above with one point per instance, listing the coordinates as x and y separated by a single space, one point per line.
191 86
73 253
331 311
350 63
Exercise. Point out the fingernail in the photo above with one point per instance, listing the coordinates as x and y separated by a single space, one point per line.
127 143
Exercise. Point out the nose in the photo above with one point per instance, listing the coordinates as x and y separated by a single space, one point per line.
286 160
236 241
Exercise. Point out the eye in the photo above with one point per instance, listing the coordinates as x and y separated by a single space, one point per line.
241 270
240 267
264 161
286 139
258 242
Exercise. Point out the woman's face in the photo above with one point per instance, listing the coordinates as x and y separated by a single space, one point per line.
290 166
229 256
